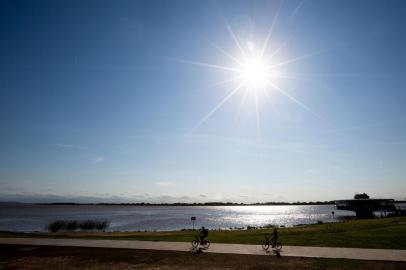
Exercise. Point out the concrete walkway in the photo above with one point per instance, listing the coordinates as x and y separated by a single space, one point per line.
297 251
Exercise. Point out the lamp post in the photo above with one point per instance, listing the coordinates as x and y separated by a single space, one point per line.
193 221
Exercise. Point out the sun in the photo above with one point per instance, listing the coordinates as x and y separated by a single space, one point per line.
254 73
254 68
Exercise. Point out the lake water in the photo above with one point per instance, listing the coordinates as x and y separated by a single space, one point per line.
133 218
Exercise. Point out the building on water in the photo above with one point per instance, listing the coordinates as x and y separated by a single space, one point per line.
364 207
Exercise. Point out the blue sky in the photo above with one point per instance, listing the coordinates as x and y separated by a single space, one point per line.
100 101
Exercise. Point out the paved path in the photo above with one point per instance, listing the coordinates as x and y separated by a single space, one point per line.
297 251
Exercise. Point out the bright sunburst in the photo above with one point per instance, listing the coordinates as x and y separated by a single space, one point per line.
255 73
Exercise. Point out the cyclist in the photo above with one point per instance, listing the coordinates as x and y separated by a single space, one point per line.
274 236
203 234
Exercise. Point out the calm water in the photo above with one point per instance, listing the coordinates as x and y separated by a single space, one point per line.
133 218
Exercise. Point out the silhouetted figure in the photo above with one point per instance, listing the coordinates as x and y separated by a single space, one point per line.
274 237
332 213
203 233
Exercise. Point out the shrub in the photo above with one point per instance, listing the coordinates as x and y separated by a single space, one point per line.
102 225
87 225
71 225
270 226
56 226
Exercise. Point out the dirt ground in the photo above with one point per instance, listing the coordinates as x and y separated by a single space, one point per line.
67 258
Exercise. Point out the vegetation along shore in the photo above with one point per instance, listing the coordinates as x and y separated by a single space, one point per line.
389 233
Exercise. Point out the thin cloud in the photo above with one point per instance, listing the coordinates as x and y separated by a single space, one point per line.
251 147
99 159
163 184
352 128
70 146
391 143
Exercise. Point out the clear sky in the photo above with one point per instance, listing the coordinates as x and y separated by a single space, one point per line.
135 100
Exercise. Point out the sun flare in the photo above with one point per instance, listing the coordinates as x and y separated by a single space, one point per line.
255 73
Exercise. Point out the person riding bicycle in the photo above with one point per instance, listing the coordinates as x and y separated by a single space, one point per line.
274 236
203 234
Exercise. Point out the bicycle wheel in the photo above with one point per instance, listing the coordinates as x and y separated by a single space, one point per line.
278 246
206 244
265 245
195 243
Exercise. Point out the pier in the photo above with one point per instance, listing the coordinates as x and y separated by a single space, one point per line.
364 207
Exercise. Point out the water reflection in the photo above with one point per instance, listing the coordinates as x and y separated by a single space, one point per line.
133 218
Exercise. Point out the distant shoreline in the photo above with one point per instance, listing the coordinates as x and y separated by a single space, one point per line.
176 204
183 204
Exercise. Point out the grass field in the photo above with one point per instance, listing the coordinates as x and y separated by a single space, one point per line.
387 233
77 258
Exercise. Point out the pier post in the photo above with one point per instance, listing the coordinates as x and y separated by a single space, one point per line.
364 213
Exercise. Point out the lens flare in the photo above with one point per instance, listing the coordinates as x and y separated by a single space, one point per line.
255 72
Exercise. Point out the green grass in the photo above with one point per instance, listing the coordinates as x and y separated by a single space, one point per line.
373 233
47 257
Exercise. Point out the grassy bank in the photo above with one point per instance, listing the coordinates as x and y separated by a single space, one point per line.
373 233
77 258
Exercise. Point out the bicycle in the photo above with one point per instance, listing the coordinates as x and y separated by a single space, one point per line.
196 242
268 242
